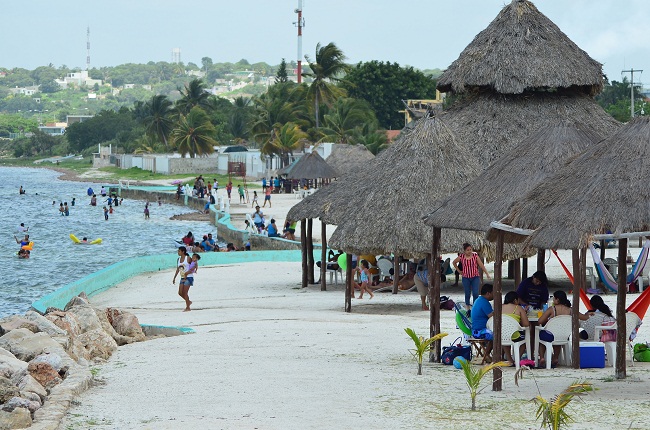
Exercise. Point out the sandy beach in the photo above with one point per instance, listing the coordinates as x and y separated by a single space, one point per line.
269 355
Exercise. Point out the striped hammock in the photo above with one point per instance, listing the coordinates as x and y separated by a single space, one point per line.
637 270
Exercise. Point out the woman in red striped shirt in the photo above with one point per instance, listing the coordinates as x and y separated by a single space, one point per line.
471 277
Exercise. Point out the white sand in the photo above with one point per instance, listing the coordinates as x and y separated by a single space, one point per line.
269 355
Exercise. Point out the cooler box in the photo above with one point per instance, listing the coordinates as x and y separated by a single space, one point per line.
592 355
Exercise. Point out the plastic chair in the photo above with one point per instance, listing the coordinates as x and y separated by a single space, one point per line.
632 322
590 325
560 326
384 265
509 326
334 273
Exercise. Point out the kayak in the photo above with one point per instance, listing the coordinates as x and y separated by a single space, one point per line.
77 241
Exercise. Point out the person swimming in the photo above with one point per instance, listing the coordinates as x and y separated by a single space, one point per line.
21 190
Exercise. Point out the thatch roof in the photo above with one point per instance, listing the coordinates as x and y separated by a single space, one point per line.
424 165
346 158
493 124
603 189
490 195
309 166
539 56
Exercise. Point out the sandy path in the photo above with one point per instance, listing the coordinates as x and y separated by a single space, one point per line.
269 355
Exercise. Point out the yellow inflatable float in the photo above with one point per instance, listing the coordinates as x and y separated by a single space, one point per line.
77 241
28 247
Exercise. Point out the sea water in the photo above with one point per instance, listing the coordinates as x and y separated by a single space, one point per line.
55 260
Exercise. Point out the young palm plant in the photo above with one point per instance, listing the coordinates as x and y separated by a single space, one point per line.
552 412
422 346
474 375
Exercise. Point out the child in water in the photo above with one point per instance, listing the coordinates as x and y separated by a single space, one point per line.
72 202
61 209
110 209
105 214
66 209
146 211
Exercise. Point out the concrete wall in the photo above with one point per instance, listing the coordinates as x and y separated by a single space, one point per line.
192 165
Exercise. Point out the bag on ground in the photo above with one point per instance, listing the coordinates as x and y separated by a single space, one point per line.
456 349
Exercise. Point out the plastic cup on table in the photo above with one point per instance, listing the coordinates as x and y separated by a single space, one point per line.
539 313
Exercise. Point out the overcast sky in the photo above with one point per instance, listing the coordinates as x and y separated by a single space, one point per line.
423 33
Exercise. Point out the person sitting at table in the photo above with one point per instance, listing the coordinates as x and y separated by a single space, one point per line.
603 316
561 306
512 309
533 291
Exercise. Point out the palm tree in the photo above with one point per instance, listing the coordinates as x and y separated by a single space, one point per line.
157 118
281 104
194 134
370 136
193 94
285 140
239 118
341 122
327 68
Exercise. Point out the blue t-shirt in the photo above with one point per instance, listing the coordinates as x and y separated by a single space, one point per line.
271 230
480 311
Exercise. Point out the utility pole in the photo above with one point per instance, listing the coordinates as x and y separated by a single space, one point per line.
631 72
300 24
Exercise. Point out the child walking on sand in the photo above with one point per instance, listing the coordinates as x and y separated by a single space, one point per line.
364 277
254 199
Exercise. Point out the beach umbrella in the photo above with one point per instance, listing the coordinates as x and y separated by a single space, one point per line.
176 182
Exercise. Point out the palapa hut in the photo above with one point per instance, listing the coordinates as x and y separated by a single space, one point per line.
311 167
603 189
520 73
347 158
489 196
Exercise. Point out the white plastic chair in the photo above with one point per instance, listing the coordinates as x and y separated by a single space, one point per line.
590 325
632 322
560 326
334 273
509 326
384 265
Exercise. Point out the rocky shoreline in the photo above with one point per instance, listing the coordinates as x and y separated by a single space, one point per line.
45 360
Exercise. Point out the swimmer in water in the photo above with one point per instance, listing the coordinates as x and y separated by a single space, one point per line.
93 200
21 191
72 202
105 214
23 253
23 242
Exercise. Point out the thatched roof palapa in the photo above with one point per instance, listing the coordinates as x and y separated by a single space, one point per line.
309 166
347 158
490 195
424 165
603 189
495 123
539 56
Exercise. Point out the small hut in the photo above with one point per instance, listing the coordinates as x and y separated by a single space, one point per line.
347 158
310 167
601 190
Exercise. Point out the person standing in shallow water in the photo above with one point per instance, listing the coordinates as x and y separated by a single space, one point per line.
105 214
471 277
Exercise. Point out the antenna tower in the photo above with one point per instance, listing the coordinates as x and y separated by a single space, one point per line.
88 49
300 24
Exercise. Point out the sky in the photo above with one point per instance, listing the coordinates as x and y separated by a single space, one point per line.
426 34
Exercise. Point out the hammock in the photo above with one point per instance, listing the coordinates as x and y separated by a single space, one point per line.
583 295
637 270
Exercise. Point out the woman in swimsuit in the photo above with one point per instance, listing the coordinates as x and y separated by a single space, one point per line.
182 265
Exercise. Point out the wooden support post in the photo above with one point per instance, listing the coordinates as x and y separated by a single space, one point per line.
323 258
524 269
583 269
395 274
541 256
303 248
434 294
310 251
517 270
511 270
497 374
621 341
603 247
575 321
349 289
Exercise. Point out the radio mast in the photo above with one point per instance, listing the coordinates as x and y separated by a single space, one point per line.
88 49
300 24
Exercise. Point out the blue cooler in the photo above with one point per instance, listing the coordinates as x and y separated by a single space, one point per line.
592 355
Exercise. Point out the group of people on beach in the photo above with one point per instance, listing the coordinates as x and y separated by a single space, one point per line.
208 244
259 226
